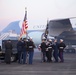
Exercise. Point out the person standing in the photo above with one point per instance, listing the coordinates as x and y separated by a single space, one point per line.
55 52
43 50
8 51
31 47
24 50
19 50
61 49
49 51
27 52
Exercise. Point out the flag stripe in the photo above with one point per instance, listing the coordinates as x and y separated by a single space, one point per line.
24 25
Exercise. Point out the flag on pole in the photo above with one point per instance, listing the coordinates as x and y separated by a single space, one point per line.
46 30
24 25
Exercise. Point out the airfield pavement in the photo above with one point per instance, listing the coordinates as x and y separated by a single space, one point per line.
38 68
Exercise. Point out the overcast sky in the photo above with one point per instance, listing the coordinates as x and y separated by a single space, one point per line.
38 11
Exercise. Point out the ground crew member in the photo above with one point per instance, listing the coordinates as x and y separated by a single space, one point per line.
61 49
8 51
31 47
19 50
55 52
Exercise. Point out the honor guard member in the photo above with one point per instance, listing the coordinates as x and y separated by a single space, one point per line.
27 52
61 49
43 50
49 51
39 48
8 51
55 52
31 47
24 50
19 50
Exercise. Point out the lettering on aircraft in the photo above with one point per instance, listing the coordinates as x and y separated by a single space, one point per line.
39 26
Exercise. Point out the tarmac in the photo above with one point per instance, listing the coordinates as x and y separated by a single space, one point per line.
39 68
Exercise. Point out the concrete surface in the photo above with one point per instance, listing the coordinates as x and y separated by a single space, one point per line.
38 68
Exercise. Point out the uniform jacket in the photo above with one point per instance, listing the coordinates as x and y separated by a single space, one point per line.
19 46
43 46
30 46
8 45
61 46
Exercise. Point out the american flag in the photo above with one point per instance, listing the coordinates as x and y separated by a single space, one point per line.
24 25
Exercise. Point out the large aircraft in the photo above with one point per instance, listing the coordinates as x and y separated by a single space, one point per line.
60 28
34 31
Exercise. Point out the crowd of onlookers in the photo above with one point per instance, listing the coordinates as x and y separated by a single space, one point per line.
49 49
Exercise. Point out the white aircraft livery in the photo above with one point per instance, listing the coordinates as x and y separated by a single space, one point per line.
34 31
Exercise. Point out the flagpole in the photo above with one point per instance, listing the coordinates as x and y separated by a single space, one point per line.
24 26
26 29
46 30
